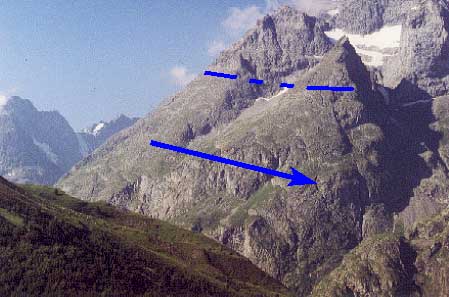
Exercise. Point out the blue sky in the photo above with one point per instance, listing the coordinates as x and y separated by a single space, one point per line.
92 60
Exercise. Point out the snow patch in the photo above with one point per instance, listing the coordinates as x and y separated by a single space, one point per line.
47 150
333 12
386 37
98 128
375 58
372 45
283 91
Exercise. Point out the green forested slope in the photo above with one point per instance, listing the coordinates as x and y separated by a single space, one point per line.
52 245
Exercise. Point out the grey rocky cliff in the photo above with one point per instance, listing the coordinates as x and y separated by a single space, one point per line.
367 16
424 54
394 265
40 146
428 122
420 69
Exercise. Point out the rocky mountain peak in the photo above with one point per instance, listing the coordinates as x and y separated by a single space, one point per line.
342 66
287 32
285 11
16 104
94 136
35 146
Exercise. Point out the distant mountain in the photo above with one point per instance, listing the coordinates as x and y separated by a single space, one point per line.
94 136
54 245
35 146
40 146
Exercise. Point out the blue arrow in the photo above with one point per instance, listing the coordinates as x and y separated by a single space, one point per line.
297 178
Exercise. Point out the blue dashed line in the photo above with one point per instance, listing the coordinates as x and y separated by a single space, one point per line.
220 74
328 88
256 81
286 85
282 85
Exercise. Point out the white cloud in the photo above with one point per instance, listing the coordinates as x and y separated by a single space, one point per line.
181 76
271 5
237 22
5 95
241 20
216 47
313 7
3 100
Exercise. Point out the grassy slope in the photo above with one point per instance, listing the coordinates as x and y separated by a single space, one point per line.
53 244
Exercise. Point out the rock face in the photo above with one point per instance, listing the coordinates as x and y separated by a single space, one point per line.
98 133
35 146
428 126
392 265
420 69
379 266
425 50
364 17
379 156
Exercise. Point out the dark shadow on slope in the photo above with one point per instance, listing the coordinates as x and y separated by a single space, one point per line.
405 129
408 134
408 286
406 91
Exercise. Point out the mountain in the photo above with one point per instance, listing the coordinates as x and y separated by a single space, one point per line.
281 46
52 244
94 136
40 146
35 146
379 154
